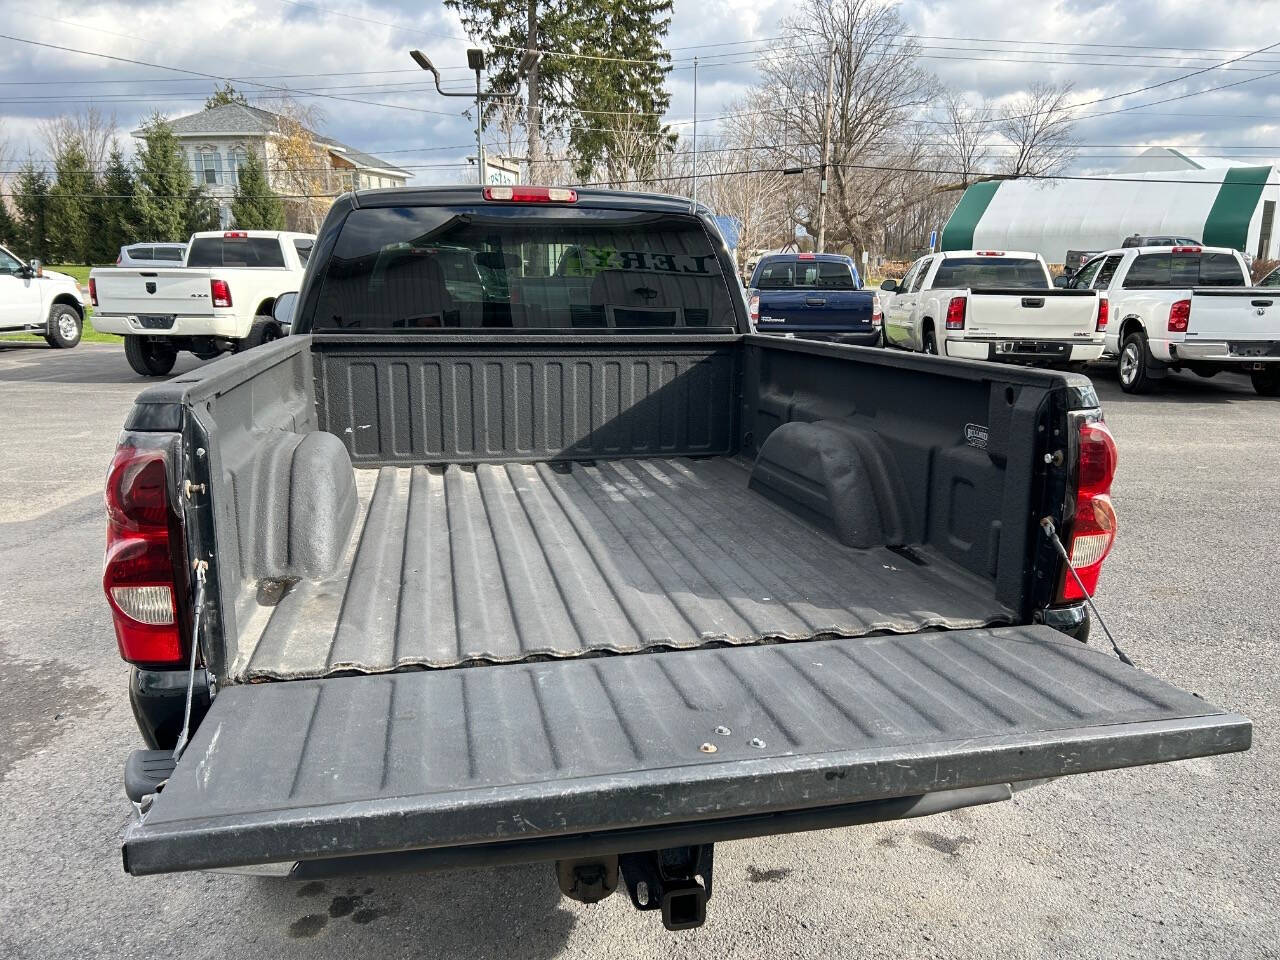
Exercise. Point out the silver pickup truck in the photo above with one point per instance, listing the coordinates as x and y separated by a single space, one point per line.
571 567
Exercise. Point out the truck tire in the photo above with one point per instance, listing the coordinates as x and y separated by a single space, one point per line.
1133 366
1267 384
65 327
149 357
930 341
264 330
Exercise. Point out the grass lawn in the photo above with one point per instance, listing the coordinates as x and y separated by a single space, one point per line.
89 335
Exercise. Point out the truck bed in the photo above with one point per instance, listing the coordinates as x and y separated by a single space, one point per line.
506 562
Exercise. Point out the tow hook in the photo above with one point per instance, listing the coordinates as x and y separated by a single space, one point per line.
675 880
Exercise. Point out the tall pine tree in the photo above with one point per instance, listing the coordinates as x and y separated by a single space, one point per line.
31 207
163 188
113 217
256 206
71 199
8 226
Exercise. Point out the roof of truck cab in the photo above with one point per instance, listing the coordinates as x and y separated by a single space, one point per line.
1023 254
587 198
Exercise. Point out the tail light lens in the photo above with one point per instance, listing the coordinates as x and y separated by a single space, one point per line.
1104 313
1093 530
753 308
1179 316
877 317
93 291
220 290
955 313
143 568
531 194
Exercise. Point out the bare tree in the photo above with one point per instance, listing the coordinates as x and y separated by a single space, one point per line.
1039 126
878 87
93 131
299 167
965 135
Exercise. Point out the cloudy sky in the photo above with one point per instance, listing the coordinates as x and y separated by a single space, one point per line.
988 48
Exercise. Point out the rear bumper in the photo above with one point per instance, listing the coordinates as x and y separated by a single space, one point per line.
212 326
1023 350
869 338
1247 354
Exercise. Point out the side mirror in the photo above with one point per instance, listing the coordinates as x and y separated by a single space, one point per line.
284 307
1062 282
889 286
34 268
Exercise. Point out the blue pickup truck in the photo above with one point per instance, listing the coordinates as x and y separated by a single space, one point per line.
817 296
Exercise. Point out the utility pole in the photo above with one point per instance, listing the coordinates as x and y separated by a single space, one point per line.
826 154
475 60
533 118
695 130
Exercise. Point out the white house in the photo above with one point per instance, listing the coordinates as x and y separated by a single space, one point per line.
216 142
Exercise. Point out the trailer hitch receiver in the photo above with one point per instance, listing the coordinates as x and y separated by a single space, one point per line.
675 880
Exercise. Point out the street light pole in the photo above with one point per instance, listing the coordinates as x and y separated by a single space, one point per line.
476 63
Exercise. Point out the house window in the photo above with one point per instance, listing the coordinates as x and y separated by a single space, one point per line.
237 156
208 166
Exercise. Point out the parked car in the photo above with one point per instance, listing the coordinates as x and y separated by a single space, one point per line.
461 582
1186 308
40 301
218 300
817 296
993 305
152 254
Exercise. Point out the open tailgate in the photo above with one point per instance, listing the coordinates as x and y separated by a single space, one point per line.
311 769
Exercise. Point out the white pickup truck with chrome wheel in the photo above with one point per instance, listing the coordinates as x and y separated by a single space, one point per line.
220 300
1186 308
992 305
39 301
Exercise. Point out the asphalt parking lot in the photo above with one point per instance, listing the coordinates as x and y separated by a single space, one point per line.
1171 861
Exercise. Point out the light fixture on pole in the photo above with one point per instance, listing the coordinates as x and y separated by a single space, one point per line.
475 61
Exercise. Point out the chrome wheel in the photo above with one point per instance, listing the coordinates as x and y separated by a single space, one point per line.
1129 363
68 327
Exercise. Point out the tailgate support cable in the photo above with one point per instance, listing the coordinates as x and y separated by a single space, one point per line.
1047 526
200 567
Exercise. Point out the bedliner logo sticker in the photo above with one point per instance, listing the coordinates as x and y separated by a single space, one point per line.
975 434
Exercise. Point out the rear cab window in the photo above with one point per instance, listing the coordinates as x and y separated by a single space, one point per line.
517 268
141 253
1180 270
304 247
234 251
990 272
172 254
781 273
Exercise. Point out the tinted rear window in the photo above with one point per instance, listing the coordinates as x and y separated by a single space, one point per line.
235 252
520 268
987 272
783 273
141 253
1185 270
169 253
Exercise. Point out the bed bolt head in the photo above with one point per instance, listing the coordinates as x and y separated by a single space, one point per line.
723 730
708 748
757 743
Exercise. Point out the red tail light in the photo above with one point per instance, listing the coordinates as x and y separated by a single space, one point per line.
1179 316
235 235
1104 313
93 291
142 569
806 256
1093 530
531 194
877 317
1186 249
753 308
955 313
220 290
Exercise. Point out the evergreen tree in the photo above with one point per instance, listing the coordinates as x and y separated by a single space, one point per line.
8 226
256 206
223 95
163 191
112 219
201 212
31 204
71 199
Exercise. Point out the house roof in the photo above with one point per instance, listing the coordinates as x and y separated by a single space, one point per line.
240 119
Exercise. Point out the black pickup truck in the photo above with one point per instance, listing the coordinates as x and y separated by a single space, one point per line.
568 566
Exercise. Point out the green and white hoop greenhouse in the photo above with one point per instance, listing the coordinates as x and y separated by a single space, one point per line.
1217 201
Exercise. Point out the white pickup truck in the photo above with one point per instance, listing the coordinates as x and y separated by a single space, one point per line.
992 305
219 300
1186 308
35 300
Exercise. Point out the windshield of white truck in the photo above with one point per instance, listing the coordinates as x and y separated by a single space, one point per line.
990 273
1185 270
791 273
513 268
232 251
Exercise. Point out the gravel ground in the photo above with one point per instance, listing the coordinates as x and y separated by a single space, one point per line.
1172 861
